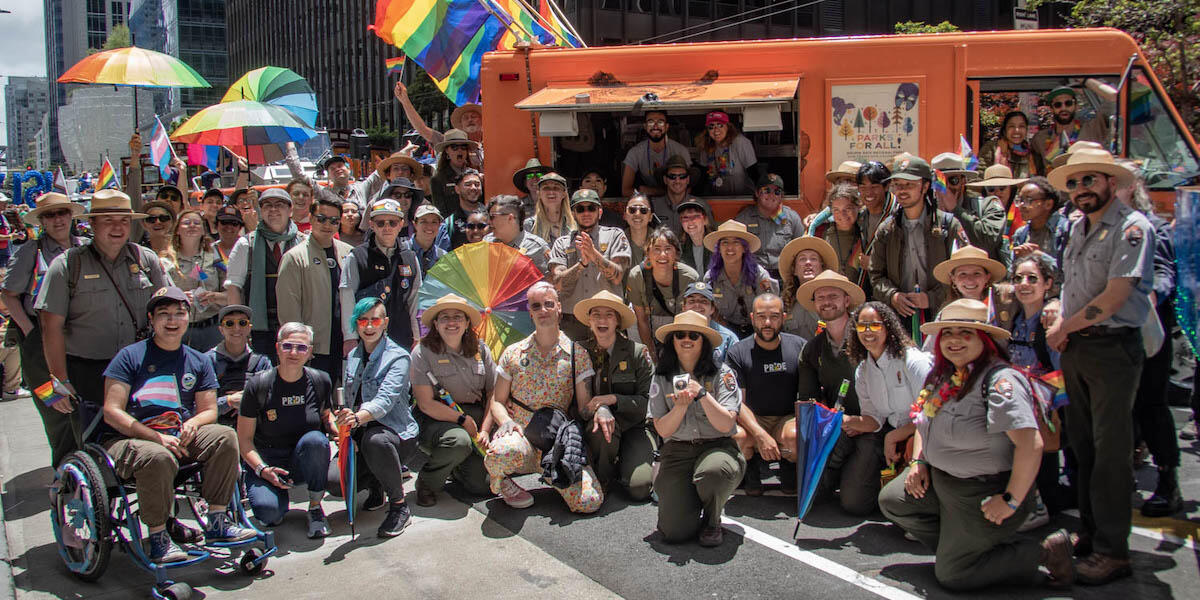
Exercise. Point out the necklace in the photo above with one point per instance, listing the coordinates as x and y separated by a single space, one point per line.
929 402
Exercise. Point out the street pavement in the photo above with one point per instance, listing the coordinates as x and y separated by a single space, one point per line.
471 546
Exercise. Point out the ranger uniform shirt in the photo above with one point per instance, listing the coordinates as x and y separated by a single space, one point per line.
530 245
610 242
468 379
695 425
624 370
773 235
1120 246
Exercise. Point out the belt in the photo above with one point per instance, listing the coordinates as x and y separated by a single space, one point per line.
1103 331
205 323
697 442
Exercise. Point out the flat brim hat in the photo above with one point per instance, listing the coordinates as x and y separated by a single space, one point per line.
787 256
689 320
533 166
457 115
833 279
235 308
167 294
847 171
734 229
1084 161
910 168
451 302
455 136
965 313
953 164
604 299
399 159
48 202
968 255
997 176
111 202
1061 159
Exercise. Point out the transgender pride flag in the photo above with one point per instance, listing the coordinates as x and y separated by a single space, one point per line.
160 149
158 391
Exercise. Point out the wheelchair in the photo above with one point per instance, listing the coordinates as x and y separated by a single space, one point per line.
91 511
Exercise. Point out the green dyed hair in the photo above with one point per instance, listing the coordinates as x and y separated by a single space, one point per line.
360 308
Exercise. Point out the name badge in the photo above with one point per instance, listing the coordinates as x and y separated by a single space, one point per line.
604 247
479 368
443 361
751 224
621 366
92 276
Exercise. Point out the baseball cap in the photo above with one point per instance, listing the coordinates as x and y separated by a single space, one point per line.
332 158
276 194
166 295
229 214
385 206
770 179
235 308
911 169
699 287
427 209
214 192
1062 89
585 195
552 177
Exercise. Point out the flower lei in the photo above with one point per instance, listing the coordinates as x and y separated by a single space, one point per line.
928 402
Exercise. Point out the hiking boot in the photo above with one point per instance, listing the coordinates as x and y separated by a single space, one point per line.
182 534
787 478
711 536
375 498
164 550
515 495
394 521
1038 517
1166 500
1189 430
752 480
317 528
425 496
1056 557
1098 569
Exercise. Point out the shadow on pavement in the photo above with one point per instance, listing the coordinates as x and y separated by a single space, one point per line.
688 552
22 498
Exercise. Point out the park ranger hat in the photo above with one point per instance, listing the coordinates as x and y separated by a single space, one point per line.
968 255
112 202
734 229
689 320
952 163
824 279
457 116
847 171
451 302
997 176
1083 161
533 167
1061 159
965 312
787 256
455 136
911 169
50 201
604 299
400 158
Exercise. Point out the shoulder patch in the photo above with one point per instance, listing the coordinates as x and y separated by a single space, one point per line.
654 389
1134 235
1003 387
729 381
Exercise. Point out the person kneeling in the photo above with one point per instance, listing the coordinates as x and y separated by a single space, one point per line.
282 425
694 403
160 408
377 408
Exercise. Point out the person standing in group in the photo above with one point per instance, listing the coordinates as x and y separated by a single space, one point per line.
1012 149
698 298
302 200
307 289
504 214
229 230
872 191
91 299
646 157
844 234
981 218
454 158
773 223
526 182
622 445
1046 228
23 278
552 218
695 223
801 260
477 226
468 189
348 230
210 203
639 219
426 226
233 361
653 287
735 276
254 265
383 267
677 180
453 384
340 174
727 157
695 406
586 261
1109 268
1067 129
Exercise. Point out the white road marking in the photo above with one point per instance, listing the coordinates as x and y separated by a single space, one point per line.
840 571
1158 536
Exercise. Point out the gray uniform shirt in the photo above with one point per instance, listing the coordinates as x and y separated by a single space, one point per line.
913 268
530 245
774 236
660 313
98 324
967 437
1121 245
24 266
734 303
468 380
645 161
801 322
695 425
611 243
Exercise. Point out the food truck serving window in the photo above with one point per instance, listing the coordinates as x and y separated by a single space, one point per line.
1155 139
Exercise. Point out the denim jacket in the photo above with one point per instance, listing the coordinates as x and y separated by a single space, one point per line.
381 386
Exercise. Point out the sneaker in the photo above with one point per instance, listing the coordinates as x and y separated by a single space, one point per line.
1098 569
182 534
394 521
1038 517
17 394
316 523
1189 431
222 529
1056 557
375 498
1166 500
163 550
515 495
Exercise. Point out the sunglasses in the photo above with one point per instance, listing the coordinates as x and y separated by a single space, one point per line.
158 219
1086 181
582 208
373 322
1026 278
638 210
686 335
865 326
236 322
1063 104
476 226
65 212
533 176
548 305
294 347
676 176
385 223
324 220
954 179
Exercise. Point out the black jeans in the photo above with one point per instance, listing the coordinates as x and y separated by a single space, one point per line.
384 452
1151 414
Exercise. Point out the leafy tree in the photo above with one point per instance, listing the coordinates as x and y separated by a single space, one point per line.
426 97
118 37
909 27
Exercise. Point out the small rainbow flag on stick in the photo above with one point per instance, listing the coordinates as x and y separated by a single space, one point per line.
939 182
46 393
1055 378
970 161
107 177
395 66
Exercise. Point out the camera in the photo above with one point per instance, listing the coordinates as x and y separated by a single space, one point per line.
680 382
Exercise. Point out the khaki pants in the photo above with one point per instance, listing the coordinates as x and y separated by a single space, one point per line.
451 454
626 458
153 468
694 482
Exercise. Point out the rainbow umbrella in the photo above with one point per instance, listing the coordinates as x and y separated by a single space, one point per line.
134 67
254 130
493 278
280 87
817 431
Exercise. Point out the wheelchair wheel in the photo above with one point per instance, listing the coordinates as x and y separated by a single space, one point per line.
247 562
176 591
80 516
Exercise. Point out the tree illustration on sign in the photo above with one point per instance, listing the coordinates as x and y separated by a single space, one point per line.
858 120
908 125
883 120
896 118
846 130
869 113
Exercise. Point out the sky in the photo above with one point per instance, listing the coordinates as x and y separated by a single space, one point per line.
22 47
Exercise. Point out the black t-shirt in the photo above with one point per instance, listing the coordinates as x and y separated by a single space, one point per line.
768 376
284 411
335 279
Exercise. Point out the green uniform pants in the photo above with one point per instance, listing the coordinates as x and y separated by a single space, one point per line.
971 551
1102 375
627 458
452 454
694 482
62 430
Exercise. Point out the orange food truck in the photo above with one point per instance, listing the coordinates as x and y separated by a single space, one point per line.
809 104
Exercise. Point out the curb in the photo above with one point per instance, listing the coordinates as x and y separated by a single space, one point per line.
7 585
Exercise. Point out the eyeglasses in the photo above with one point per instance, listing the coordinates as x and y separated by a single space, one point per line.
676 176
712 126
294 347
1026 200
386 223
1063 104
402 195
1026 278
582 208
548 305
230 323
637 210
659 122
1086 181
324 220
476 226
686 335
494 216
158 219
954 179
448 319
57 214
373 322
865 326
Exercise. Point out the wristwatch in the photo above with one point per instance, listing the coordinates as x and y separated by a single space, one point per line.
461 419
1008 499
